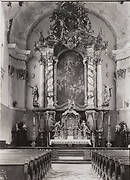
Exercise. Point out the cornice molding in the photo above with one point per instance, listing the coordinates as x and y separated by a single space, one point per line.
123 53
18 53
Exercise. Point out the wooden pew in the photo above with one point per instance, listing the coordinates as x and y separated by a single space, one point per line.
27 164
112 164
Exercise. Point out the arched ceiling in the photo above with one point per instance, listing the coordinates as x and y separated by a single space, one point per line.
27 17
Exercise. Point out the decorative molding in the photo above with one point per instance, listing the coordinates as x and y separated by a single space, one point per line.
121 73
123 53
17 53
106 95
21 74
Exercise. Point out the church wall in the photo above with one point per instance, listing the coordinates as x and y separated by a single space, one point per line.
34 78
9 88
113 122
8 119
108 65
16 85
11 116
13 89
4 59
117 15
123 90
108 69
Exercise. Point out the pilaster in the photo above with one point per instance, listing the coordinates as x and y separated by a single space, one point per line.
99 83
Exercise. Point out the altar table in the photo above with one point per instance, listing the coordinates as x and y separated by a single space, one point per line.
70 142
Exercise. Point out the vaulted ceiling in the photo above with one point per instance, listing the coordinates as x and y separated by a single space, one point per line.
27 17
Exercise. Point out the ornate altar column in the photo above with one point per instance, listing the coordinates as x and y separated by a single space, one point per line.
55 81
50 80
50 121
91 117
42 85
85 79
91 77
99 83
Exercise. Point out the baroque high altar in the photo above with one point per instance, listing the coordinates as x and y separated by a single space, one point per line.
70 97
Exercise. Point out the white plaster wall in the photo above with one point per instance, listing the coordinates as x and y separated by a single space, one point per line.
123 85
8 116
4 58
123 92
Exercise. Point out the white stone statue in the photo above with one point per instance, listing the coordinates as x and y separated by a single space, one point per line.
85 129
57 129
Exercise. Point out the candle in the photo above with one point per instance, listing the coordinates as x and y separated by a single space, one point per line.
109 120
34 121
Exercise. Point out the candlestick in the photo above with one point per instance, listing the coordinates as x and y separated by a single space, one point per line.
109 132
34 121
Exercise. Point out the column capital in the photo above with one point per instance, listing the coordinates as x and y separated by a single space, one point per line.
123 53
90 52
121 73
99 60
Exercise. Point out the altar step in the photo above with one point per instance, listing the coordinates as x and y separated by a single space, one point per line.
71 162
74 156
71 153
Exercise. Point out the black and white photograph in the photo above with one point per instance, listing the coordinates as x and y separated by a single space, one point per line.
65 90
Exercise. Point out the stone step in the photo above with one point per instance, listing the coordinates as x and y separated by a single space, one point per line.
70 158
72 162
70 153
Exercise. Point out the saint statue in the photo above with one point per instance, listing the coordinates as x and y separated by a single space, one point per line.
85 129
35 94
57 129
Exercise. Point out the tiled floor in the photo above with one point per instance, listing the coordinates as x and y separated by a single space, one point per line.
71 172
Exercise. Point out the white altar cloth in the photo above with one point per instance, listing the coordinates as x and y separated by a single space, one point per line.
70 141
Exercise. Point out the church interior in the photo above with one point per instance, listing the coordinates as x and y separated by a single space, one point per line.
64 88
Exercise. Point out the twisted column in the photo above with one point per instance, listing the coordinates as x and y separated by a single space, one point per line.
55 80
91 78
50 82
41 90
85 79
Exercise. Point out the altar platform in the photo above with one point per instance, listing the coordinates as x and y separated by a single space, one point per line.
70 142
